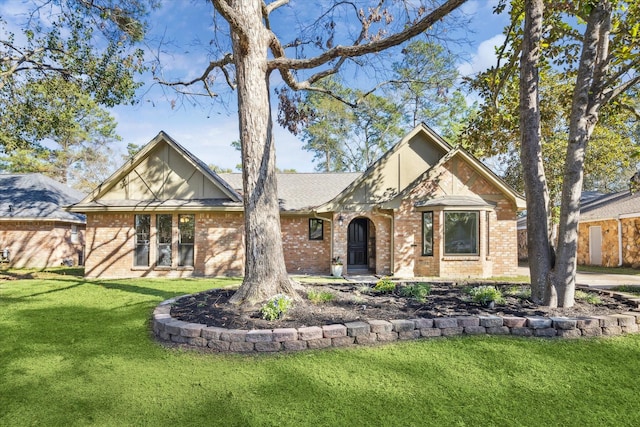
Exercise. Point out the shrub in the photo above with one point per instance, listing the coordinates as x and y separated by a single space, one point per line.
385 285
276 307
587 297
486 294
318 297
417 291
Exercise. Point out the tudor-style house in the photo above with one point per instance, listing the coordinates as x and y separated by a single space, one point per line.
423 209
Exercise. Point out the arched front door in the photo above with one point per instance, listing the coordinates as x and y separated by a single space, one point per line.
357 248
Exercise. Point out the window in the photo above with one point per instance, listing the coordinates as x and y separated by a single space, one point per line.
488 229
163 237
427 233
186 231
316 229
142 224
74 233
460 233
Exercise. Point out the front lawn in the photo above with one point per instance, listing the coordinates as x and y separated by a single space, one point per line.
78 352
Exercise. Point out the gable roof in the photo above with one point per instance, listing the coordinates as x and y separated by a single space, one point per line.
302 191
96 201
449 153
36 197
611 206
421 128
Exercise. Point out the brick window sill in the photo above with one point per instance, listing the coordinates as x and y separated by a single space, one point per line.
461 258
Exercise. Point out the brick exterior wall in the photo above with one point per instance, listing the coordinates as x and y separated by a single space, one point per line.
499 258
219 241
379 235
39 244
301 255
218 249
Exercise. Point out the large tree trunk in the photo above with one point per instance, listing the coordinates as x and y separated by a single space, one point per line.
540 250
265 272
584 116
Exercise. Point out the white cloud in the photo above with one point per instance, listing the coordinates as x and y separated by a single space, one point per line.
483 58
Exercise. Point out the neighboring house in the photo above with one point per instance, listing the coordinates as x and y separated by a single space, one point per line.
523 245
609 230
35 229
423 209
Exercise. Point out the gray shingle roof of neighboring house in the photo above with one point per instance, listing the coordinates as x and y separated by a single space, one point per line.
34 196
303 191
611 206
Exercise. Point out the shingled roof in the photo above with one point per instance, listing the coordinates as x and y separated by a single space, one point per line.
302 191
611 206
34 196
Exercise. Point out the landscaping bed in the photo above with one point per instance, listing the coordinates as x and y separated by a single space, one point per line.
352 302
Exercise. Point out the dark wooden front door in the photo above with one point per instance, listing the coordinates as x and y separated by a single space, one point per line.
357 244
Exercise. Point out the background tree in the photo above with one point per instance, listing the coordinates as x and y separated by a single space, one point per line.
64 133
347 136
65 51
425 86
351 128
597 43
258 49
495 131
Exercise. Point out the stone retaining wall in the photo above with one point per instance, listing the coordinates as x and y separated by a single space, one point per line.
172 330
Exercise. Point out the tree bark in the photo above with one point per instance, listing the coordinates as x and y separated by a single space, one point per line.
586 104
537 192
265 271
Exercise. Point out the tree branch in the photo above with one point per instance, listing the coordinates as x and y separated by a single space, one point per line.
284 64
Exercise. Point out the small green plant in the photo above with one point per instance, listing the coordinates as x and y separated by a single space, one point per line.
587 297
486 295
520 292
365 289
276 307
385 285
417 291
319 297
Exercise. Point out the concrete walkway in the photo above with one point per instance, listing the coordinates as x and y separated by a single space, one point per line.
600 280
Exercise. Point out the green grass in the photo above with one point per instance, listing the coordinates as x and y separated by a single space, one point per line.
630 289
76 352
608 270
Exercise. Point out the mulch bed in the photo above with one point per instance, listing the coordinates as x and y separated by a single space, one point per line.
354 302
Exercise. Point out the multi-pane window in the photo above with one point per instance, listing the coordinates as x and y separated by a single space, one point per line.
163 237
186 236
461 232
142 224
427 233
316 229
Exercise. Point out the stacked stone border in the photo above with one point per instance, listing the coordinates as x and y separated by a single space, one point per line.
169 329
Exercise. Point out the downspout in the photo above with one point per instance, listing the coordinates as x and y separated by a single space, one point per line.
392 232
619 242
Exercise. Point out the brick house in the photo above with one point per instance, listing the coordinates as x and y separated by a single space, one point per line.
609 230
423 209
35 229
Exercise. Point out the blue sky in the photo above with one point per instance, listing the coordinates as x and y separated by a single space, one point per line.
208 129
